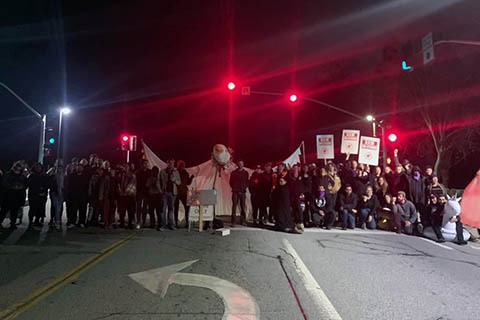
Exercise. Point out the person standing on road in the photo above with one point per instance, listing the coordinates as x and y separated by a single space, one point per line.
78 185
169 182
127 191
266 203
142 194
256 188
94 196
281 203
405 214
57 191
186 180
239 185
69 195
14 185
154 197
37 195
348 204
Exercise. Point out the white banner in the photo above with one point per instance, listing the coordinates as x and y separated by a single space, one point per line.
350 139
325 149
369 151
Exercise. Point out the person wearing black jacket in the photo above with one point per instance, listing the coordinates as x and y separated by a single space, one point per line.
434 217
322 208
256 188
14 185
79 184
37 195
367 207
348 204
182 191
239 184
296 186
281 203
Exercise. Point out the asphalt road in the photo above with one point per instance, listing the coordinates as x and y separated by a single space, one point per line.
84 274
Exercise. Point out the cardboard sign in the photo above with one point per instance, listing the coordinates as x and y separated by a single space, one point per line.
194 213
325 146
350 140
369 151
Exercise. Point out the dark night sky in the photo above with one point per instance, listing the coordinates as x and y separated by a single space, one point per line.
158 69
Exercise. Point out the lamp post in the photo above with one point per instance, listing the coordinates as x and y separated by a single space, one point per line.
62 111
41 117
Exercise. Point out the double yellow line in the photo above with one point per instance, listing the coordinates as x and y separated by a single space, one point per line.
35 297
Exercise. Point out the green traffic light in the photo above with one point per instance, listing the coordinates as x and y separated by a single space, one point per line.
52 140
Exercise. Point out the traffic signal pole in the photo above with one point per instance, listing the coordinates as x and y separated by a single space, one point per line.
42 118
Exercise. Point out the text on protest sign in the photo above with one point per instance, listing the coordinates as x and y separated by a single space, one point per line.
325 148
369 151
350 139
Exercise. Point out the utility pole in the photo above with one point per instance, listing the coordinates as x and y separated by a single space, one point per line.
41 117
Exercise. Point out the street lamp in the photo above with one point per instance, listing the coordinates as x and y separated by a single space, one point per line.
62 111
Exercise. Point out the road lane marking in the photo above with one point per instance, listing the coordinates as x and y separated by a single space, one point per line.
318 230
435 243
326 309
35 297
475 247
238 302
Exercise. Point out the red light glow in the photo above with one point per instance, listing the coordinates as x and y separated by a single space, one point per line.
231 85
293 97
125 138
392 137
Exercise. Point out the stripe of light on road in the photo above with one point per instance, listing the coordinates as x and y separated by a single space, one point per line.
437 244
326 309
31 300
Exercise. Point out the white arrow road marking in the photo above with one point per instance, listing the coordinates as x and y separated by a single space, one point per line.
239 304
325 307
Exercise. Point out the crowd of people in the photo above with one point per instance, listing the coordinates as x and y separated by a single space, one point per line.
93 192
348 194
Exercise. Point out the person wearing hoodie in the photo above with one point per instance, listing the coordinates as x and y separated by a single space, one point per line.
322 208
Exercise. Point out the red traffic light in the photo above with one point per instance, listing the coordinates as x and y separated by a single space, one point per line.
293 98
125 138
392 137
231 85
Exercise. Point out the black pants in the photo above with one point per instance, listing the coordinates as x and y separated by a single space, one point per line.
183 198
142 207
71 215
126 204
238 197
436 223
297 210
256 201
79 206
154 207
10 206
459 229
37 207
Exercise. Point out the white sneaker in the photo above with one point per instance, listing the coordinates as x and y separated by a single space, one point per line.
82 225
137 227
70 226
